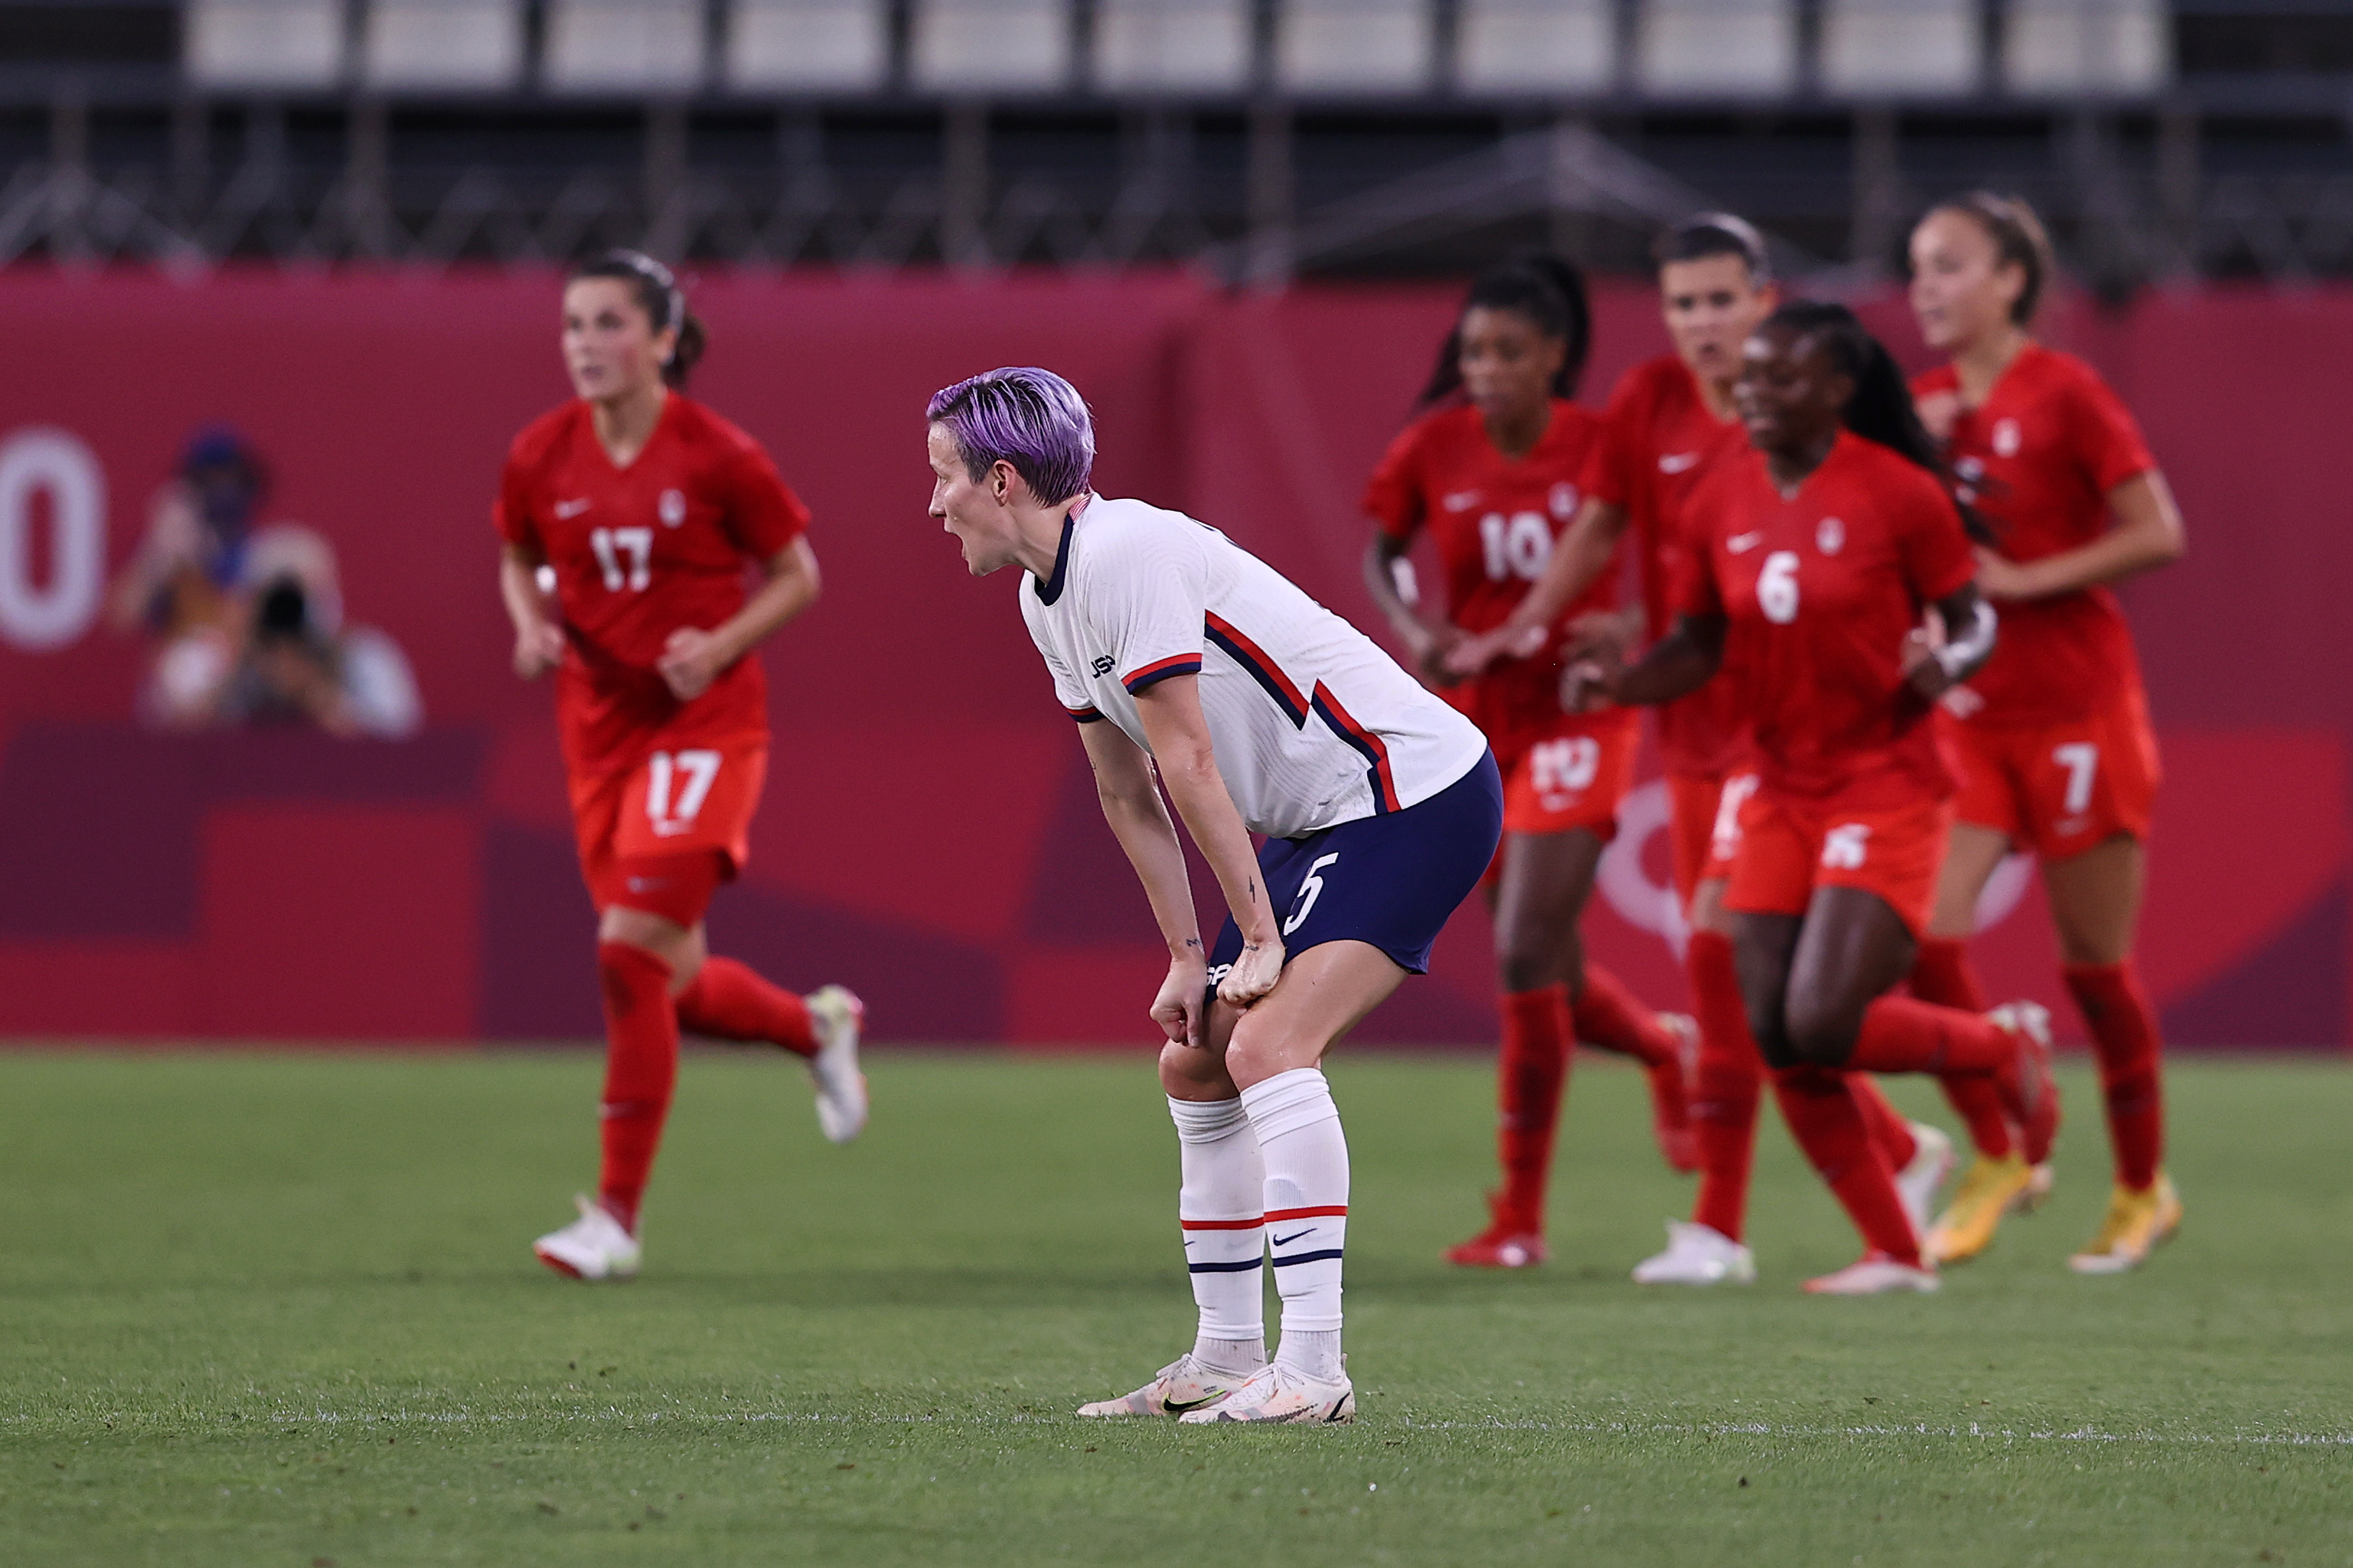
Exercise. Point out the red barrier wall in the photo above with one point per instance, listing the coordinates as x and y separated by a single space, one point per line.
929 834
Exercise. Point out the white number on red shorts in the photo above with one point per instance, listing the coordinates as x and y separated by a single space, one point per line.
1726 835
1517 546
1842 847
1563 768
1309 891
611 543
1776 587
671 809
2082 761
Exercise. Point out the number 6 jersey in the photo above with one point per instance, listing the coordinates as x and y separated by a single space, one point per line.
640 552
1493 519
1820 588
1313 725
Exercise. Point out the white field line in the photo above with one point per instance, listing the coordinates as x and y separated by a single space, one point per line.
1973 1432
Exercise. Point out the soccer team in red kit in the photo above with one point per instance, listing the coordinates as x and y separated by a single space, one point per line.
1874 621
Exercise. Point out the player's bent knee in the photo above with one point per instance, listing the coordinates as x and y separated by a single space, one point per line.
1819 1038
1191 1072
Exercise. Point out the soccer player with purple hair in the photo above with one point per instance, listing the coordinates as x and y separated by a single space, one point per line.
1180 653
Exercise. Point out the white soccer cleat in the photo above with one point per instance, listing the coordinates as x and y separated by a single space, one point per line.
837 1016
1277 1396
593 1247
1697 1255
1918 1182
1875 1275
1184 1385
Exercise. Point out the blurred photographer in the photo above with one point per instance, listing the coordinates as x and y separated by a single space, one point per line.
296 669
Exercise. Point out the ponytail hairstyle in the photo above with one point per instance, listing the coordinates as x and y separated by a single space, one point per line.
1549 291
1879 408
2019 240
663 302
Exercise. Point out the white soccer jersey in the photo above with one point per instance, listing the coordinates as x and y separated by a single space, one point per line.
1312 724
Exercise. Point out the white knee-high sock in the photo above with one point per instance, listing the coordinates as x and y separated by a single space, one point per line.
1219 1206
1306 1158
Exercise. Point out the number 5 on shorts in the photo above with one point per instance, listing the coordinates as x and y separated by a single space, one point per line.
1309 891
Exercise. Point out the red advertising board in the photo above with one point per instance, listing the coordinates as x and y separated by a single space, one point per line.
929 834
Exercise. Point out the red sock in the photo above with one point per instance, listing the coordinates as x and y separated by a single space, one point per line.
1890 1133
641 1068
1942 974
1901 1034
1609 1018
728 1001
1724 1090
1533 1069
1822 1114
2124 1034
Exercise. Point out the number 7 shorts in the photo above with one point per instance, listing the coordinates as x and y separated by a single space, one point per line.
1787 848
2058 789
1392 881
660 835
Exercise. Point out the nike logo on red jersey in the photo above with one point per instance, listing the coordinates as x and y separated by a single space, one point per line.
572 508
1460 500
1741 542
1677 462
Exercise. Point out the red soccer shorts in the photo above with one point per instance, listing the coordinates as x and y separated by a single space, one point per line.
674 807
1703 826
1789 848
2059 789
1574 777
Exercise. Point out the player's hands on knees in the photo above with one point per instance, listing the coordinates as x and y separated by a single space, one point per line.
1255 972
538 648
691 661
1184 998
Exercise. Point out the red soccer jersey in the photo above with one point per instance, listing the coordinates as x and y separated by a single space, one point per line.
640 552
1820 590
1657 437
1494 521
2038 459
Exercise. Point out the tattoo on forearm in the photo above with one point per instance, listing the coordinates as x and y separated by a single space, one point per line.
1192 941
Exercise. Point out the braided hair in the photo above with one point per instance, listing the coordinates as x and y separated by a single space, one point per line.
1879 408
1548 290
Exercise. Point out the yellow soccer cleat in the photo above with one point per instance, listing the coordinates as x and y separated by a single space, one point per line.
2138 1223
1990 1189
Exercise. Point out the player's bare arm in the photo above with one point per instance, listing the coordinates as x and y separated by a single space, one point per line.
1172 722
1139 820
693 659
1429 647
2149 532
1585 549
539 635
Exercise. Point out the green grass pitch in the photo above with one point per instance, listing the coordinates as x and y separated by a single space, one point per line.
280 1310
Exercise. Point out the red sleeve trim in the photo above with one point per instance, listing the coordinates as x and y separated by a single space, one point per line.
1161 670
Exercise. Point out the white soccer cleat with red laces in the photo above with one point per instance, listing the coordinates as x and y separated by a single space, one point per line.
838 1017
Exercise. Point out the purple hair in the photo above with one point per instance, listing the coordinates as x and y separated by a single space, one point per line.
1029 417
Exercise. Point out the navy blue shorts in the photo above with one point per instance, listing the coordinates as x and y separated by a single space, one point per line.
1393 881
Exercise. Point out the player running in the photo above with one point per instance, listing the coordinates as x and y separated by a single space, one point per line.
1669 422
1493 473
2053 740
1179 653
1826 542
646 507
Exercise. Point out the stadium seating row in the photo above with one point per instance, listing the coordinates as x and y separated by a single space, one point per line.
1676 49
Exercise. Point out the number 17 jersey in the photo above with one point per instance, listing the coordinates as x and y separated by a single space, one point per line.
640 552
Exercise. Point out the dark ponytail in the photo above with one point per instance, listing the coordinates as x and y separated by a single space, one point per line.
1879 408
1549 291
2018 240
664 303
